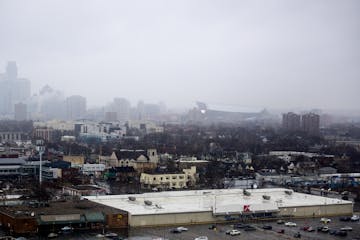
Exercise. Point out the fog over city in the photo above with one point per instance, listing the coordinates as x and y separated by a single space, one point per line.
254 54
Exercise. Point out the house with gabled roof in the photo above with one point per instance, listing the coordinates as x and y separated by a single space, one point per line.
140 160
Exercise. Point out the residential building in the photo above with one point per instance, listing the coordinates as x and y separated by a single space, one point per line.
169 181
104 131
46 134
140 160
311 123
291 121
12 136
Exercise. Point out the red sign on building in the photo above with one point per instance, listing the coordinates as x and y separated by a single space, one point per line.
246 208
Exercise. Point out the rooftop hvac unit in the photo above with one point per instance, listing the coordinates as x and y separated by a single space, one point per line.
266 197
288 192
148 203
132 198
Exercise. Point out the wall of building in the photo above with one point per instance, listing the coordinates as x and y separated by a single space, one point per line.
318 211
117 220
171 219
207 217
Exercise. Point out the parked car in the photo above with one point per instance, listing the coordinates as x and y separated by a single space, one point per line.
280 231
341 233
290 224
249 228
201 238
240 225
305 228
346 228
325 220
280 221
355 218
325 229
182 229
175 230
234 232
345 219
297 235
212 227
267 227
310 229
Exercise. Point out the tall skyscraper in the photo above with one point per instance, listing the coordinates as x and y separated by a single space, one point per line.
75 107
291 121
12 89
310 123
11 71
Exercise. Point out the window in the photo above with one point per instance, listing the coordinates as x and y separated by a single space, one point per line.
174 177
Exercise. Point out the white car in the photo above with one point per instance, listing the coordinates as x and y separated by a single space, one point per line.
347 228
182 229
325 220
290 224
355 218
202 238
234 232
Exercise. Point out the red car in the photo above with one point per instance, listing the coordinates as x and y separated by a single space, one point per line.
281 231
305 228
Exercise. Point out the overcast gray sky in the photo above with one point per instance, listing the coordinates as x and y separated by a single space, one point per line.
274 54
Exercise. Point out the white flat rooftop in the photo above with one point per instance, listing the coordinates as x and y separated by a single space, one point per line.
218 201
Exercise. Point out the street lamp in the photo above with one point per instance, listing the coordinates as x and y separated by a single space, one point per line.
41 149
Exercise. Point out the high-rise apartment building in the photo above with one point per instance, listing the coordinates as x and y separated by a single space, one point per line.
75 107
310 123
291 121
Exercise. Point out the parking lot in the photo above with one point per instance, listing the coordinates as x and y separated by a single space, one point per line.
219 232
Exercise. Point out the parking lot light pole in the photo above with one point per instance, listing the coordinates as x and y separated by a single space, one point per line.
41 149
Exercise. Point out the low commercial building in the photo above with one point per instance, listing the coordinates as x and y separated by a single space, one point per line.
216 205
84 190
40 217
